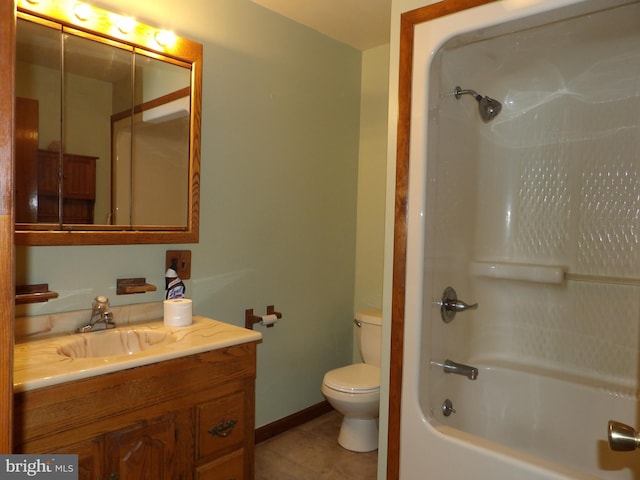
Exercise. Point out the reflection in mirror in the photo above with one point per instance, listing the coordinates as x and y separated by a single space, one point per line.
97 82
107 133
150 176
38 113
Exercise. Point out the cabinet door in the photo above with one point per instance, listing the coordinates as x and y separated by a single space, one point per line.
48 172
146 451
79 175
26 160
89 458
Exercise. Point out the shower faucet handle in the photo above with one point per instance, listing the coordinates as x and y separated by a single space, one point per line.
450 305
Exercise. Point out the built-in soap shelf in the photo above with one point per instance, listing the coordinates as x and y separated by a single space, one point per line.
128 286
36 293
526 272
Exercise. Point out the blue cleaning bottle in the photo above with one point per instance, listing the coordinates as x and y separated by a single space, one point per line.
174 287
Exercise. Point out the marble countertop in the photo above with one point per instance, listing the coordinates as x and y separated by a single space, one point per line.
42 363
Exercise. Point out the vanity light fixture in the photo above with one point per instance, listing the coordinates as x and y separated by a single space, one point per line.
126 24
165 38
82 11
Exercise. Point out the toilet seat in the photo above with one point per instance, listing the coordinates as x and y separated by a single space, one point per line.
357 378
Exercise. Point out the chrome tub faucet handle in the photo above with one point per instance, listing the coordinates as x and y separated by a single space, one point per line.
450 305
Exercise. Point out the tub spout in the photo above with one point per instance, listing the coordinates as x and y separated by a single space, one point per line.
458 368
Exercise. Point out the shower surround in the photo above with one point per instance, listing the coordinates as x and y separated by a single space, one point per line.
536 217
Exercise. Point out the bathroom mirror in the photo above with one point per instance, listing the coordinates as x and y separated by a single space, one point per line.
107 129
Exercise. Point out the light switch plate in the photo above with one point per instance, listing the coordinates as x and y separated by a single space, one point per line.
183 262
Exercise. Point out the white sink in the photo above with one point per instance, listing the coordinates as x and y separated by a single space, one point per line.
63 358
119 341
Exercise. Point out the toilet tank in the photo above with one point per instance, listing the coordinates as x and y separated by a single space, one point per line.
370 335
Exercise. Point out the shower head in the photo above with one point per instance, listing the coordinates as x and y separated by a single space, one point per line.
487 106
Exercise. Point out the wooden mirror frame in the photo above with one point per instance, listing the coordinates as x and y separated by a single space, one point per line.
104 24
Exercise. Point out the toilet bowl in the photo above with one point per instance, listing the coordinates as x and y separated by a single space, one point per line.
354 390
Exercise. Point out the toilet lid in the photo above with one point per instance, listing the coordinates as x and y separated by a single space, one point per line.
357 378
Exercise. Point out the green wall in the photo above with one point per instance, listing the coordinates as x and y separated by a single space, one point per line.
280 150
370 231
372 167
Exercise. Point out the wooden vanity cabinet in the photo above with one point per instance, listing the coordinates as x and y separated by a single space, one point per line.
190 418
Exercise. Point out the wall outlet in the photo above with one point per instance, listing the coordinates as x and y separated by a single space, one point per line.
182 259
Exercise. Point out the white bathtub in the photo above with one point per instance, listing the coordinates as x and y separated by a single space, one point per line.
539 416
558 359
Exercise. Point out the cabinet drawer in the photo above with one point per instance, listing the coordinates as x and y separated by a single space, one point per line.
229 467
221 424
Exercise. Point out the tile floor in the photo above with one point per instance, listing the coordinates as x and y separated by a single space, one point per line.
311 452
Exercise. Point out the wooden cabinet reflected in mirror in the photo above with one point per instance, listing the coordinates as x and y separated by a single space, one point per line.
107 132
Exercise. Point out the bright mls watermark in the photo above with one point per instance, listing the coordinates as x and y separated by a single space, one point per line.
51 467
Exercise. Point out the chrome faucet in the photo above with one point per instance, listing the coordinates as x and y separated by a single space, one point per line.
101 317
458 368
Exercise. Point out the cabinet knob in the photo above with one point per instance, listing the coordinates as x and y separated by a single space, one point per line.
114 476
223 429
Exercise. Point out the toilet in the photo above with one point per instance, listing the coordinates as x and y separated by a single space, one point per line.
354 390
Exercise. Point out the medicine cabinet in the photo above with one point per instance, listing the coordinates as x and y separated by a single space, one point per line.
107 129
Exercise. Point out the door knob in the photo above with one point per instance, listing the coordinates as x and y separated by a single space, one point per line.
450 305
622 438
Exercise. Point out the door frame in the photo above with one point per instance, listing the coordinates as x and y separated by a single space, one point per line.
408 21
7 242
